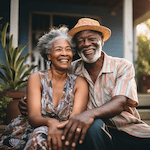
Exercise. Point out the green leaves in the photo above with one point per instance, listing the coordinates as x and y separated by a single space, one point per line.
3 35
143 60
4 100
14 73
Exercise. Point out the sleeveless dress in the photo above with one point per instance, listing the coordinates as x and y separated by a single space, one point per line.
19 131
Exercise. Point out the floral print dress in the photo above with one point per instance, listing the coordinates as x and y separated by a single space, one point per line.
19 131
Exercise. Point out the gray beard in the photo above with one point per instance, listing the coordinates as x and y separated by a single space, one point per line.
96 56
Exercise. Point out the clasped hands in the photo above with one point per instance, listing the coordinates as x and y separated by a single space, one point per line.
75 129
72 131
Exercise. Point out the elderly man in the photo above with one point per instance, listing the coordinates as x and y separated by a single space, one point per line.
111 120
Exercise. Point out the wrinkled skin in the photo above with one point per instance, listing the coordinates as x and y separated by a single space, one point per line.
88 40
54 136
82 121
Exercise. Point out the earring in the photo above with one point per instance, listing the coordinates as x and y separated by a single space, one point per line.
48 64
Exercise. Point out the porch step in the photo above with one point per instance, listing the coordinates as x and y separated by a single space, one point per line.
144 113
144 107
144 99
147 121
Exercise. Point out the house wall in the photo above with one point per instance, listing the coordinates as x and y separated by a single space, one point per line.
4 12
113 47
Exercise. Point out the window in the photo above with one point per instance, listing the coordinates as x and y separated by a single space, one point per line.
41 23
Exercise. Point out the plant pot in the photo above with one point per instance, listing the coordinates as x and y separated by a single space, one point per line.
12 108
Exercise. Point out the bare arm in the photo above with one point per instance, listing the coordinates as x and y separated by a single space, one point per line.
125 76
110 109
80 96
86 118
81 92
34 89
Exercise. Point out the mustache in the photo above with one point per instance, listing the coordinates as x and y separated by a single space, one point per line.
91 47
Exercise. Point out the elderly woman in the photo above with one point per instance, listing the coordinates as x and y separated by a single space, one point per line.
53 95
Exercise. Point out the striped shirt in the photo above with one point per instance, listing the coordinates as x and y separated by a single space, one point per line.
117 77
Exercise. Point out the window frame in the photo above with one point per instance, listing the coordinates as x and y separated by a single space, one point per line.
51 14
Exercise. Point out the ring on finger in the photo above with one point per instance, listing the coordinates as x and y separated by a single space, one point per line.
78 130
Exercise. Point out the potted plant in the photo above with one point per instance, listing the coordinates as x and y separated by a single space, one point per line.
4 100
14 73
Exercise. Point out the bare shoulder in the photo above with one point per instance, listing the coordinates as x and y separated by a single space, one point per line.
80 80
34 75
81 87
34 78
34 81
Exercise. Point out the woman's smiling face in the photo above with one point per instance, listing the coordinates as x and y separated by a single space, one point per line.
61 54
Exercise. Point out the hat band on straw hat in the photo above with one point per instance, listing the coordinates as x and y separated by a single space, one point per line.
90 24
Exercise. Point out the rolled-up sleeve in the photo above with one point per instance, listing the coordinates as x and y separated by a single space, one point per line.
125 83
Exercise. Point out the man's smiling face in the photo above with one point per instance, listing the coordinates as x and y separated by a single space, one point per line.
89 45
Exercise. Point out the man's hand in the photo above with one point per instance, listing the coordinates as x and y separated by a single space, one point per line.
23 106
54 136
76 128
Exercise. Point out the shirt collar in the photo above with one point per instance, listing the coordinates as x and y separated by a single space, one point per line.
80 69
108 66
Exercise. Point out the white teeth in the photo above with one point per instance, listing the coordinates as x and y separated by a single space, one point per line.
64 60
88 51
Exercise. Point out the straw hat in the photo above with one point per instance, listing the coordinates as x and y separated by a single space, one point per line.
90 24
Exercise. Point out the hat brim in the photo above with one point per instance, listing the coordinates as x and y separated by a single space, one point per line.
106 32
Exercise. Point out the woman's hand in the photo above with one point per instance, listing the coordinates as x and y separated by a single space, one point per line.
76 128
78 120
54 136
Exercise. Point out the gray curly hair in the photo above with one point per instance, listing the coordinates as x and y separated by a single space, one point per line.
45 42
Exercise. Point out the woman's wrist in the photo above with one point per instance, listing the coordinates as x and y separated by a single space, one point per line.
50 121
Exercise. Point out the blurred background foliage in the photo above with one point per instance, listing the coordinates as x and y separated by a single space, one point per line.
143 60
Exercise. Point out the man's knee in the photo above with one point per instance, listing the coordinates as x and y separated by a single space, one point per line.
97 137
97 127
98 131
